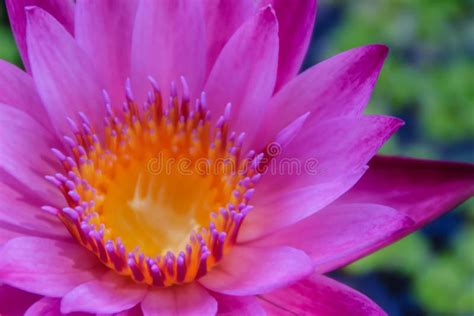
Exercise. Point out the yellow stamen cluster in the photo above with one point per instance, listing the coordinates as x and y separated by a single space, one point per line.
161 195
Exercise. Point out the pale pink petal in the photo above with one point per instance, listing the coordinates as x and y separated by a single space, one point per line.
62 10
321 296
238 305
186 300
104 30
422 189
15 301
44 266
110 294
323 162
342 233
338 86
18 90
248 270
168 42
296 21
64 75
245 72
223 18
25 157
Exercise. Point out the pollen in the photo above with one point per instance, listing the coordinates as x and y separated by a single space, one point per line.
160 193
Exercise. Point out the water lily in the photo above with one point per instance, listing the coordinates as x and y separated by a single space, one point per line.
142 152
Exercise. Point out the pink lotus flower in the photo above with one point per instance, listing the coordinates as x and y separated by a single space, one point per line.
114 234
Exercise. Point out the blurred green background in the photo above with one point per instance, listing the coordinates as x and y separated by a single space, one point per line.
428 80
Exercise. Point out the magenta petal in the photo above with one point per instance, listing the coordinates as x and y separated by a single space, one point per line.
44 266
331 157
104 30
64 75
294 33
422 189
110 294
186 300
319 295
15 301
342 233
338 86
238 305
223 18
18 90
168 42
62 10
244 73
248 270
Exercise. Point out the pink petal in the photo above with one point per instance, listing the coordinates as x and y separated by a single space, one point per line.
273 211
23 189
18 90
339 145
296 21
21 213
223 18
104 30
168 42
44 266
48 306
288 134
185 300
64 75
238 305
248 270
25 156
45 306
339 86
319 295
331 157
14 301
245 72
422 189
8 232
110 294
342 233
135 311
63 11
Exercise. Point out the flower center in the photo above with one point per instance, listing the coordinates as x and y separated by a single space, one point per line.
161 196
